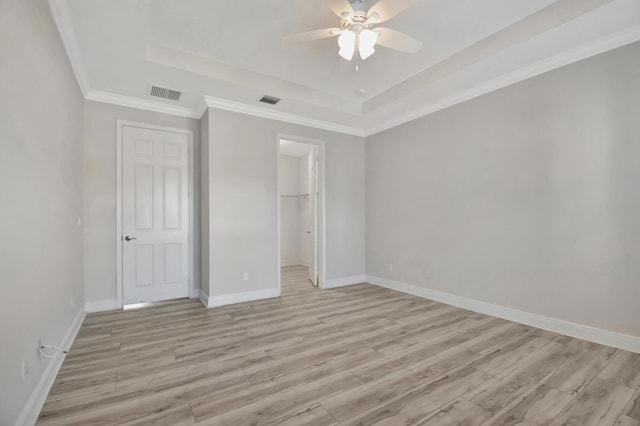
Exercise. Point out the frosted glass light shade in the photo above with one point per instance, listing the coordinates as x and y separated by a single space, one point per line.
367 40
347 43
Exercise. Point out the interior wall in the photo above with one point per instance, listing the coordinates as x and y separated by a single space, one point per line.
41 185
243 201
100 123
290 210
526 197
204 203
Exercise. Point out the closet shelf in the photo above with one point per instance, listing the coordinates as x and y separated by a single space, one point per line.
294 195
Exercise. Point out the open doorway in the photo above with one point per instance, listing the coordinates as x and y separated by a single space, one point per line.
300 218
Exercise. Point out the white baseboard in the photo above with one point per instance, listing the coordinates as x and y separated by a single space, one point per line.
34 404
579 331
345 281
204 298
232 299
101 306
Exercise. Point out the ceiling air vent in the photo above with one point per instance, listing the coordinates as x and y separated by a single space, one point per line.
163 92
269 99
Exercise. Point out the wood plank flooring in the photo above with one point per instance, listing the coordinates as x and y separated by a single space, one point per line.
358 355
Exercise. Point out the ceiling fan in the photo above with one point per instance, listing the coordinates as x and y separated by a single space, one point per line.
358 28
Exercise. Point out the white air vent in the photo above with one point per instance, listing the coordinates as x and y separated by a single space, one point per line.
163 92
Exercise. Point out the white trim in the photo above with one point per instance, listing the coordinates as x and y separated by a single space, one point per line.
278 227
131 102
59 11
204 298
34 404
579 331
194 249
118 236
194 285
232 299
201 108
345 281
280 116
102 305
322 232
611 42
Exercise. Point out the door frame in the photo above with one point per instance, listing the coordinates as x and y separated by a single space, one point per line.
193 284
322 233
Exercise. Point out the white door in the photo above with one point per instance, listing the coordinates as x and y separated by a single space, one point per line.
313 215
155 215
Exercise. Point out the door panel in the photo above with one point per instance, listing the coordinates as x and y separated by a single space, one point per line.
143 265
172 199
172 263
143 197
155 215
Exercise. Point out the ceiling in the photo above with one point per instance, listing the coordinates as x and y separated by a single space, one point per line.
227 54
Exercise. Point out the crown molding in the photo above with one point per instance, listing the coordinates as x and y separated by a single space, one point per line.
223 104
611 42
131 102
251 79
280 116
59 11
201 108
65 29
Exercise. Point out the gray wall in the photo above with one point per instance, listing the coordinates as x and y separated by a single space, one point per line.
526 197
243 193
41 197
291 210
100 191
204 202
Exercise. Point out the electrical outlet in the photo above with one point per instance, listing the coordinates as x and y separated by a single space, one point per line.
25 368
79 221
245 276
390 267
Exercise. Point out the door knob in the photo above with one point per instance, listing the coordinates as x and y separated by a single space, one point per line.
128 238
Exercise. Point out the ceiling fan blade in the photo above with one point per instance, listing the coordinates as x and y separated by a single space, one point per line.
387 9
340 6
312 35
396 40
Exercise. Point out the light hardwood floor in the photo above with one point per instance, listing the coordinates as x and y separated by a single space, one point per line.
356 355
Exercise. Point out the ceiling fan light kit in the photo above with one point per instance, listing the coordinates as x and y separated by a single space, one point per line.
347 44
366 43
356 30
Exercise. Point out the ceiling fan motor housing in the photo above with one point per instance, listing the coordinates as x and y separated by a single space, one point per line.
358 21
361 5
